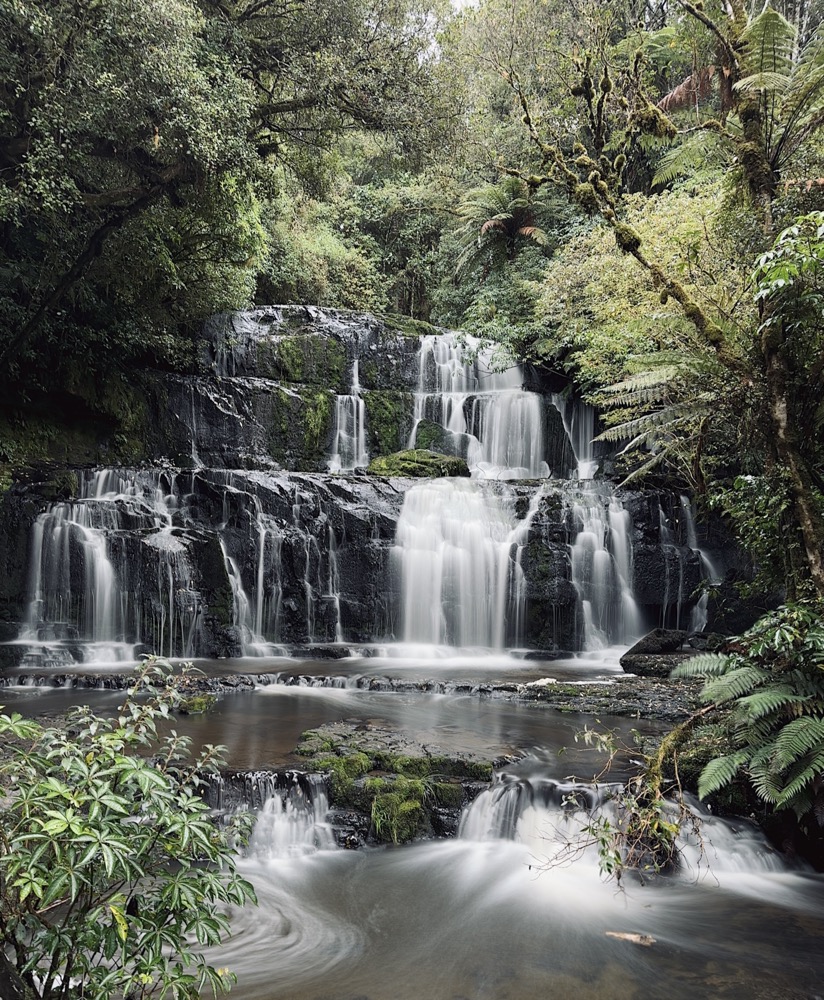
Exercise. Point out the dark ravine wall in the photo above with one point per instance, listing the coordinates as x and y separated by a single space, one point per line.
227 499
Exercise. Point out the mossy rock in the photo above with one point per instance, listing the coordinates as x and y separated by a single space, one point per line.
388 419
407 326
305 358
432 437
419 464
197 704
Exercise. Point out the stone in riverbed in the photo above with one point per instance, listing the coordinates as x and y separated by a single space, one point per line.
418 463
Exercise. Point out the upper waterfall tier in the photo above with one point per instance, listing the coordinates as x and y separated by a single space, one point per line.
314 390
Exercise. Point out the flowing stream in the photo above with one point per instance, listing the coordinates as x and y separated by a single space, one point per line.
514 907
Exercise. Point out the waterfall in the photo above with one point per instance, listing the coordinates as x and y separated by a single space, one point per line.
555 820
601 568
485 415
710 573
579 423
96 591
457 552
291 809
349 445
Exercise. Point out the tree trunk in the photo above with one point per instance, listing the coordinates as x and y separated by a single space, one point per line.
12 986
806 510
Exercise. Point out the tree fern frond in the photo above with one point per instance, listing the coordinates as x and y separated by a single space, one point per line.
644 379
733 684
795 739
646 467
769 40
766 81
766 702
639 397
719 772
703 665
688 156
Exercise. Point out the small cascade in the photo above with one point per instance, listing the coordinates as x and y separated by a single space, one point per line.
349 445
579 422
97 589
711 574
291 809
674 595
254 619
554 819
551 817
485 415
601 568
457 553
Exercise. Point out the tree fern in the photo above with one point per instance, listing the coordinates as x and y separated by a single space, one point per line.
720 772
776 687
698 151
703 665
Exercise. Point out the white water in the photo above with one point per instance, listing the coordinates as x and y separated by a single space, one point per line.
601 568
349 445
116 606
486 415
457 553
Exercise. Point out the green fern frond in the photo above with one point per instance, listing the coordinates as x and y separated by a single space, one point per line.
733 684
639 397
795 739
644 380
649 463
766 81
719 772
703 665
767 702
695 152
790 795
769 40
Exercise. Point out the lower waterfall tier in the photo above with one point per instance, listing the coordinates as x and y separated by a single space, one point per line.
218 563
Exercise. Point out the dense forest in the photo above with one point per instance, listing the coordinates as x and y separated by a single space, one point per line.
627 193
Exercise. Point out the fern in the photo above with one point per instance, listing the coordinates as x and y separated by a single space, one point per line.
720 772
733 684
699 150
796 739
703 665
753 707
769 40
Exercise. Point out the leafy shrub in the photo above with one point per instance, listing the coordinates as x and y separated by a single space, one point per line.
112 873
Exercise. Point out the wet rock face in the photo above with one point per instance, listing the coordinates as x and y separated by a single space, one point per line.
232 535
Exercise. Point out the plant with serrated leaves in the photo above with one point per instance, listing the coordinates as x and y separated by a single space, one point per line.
773 685
113 876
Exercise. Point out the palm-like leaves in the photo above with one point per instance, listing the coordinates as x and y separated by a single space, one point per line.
667 407
498 220
776 688
787 87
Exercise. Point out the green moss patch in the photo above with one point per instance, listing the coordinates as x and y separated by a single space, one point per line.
418 463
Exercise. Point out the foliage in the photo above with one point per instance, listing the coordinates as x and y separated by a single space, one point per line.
142 147
112 874
774 682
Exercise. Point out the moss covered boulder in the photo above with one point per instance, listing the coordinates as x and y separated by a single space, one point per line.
418 464
403 789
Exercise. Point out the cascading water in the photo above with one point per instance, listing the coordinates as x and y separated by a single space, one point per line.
486 416
601 568
579 422
556 821
711 573
349 446
457 556
93 595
